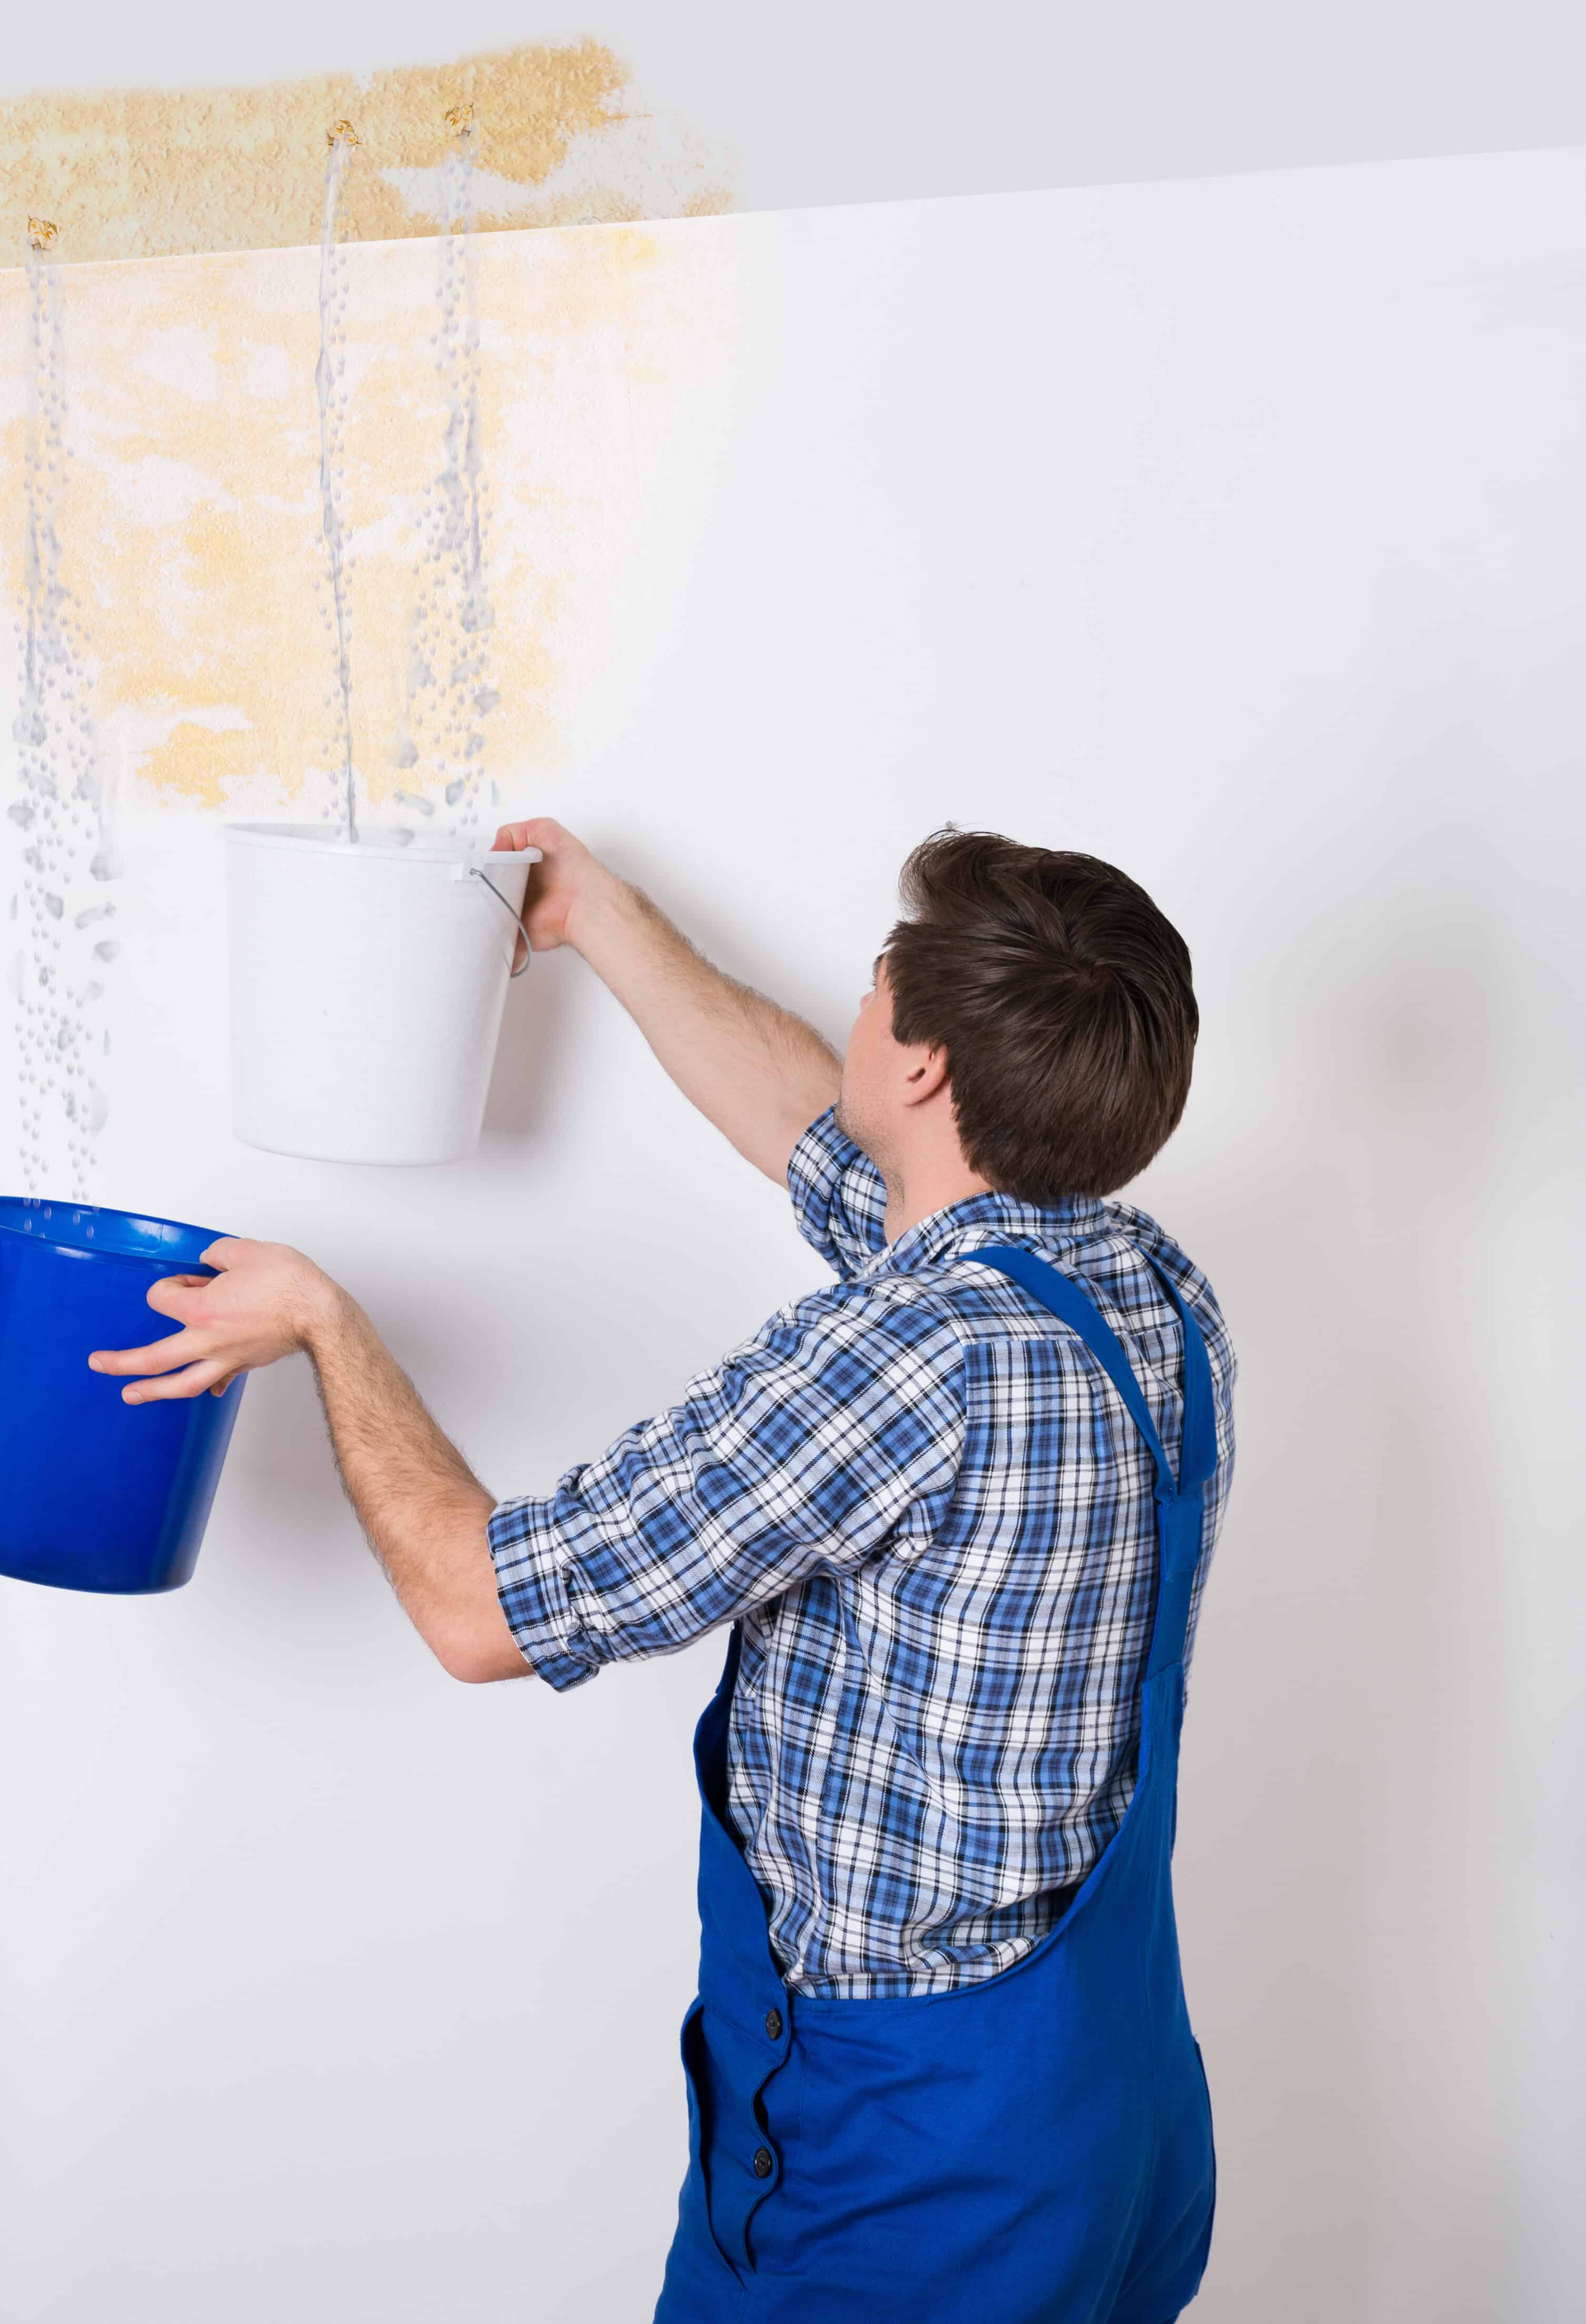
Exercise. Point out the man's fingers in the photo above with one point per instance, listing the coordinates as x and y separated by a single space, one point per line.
193 1381
541 831
173 1293
222 1253
518 836
159 1356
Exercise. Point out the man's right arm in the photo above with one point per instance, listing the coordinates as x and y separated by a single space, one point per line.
758 1072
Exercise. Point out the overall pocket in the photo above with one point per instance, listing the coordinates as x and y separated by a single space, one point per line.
694 2209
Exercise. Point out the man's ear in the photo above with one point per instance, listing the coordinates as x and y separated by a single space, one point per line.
926 1075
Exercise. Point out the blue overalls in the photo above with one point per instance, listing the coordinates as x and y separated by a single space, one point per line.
1033 2149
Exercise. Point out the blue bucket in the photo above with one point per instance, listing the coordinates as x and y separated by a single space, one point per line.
96 1494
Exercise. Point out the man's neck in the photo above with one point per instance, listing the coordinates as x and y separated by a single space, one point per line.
927 1192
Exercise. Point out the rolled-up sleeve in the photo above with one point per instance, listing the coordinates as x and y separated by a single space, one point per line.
833 1435
839 1196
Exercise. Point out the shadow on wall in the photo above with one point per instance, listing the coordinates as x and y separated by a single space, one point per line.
564 139
534 1060
1346 1751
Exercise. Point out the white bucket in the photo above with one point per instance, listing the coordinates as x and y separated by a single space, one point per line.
367 988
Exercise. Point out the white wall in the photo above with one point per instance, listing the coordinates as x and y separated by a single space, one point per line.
1232 530
868 100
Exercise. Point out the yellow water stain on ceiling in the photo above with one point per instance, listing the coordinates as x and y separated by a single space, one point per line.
559 137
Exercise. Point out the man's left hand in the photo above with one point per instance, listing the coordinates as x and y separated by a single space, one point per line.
265 1301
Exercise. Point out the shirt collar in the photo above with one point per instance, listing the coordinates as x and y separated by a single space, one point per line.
985 1219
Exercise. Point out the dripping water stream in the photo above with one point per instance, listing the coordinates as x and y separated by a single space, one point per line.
330 387
448 691
64 804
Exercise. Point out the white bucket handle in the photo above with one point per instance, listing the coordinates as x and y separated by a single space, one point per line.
477 872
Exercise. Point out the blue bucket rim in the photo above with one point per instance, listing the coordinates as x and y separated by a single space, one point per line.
179 1258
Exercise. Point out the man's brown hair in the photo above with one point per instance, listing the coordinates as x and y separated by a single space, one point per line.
1061 998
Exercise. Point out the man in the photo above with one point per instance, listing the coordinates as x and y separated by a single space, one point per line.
956 1507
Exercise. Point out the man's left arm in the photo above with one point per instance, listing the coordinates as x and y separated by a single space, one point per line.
835 1430
421 1508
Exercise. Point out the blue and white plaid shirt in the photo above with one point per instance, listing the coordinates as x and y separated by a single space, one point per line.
926 1506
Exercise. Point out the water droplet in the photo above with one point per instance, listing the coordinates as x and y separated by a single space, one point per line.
107 949
54 906
88 1108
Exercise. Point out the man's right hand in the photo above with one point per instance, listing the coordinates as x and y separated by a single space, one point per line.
557 884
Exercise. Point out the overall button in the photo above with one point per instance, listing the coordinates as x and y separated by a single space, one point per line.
773 2023
764 2165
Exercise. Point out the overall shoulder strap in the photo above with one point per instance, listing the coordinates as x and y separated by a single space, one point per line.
1179 1498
